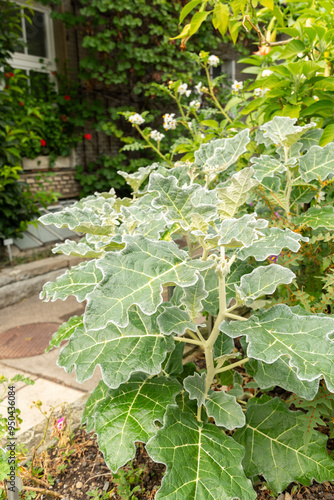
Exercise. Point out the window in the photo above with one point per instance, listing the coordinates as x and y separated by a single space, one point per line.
36 57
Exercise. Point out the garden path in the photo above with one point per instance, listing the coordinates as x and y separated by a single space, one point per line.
52 384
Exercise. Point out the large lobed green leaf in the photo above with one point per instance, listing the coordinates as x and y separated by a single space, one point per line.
78 281
120 352
280 332
266 166
317 217
202 462
218 155
263 280
65 331
124 416
273 438
317 163
219 405
272 243
235 193
178 203
282 130
136 275
242 231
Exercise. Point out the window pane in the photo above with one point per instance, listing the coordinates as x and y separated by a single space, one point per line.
38 83
36 33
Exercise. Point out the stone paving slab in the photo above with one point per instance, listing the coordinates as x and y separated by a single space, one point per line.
52 384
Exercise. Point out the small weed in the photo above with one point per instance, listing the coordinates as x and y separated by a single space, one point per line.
127 482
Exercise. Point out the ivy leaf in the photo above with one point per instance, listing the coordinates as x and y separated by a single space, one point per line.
65 331
274 443
178 202
236 192
282 374
266 166
242 231
120 352
211 302
174 320
219 405
136 179
98 395
78 281
193 297
128 415
283 131
272 243
218 155
316 217
263 280
307 344
317 163
209 460
82 220
136 275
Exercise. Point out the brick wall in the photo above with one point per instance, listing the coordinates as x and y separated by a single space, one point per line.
62 182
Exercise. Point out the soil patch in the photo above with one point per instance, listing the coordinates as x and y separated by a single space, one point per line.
79 470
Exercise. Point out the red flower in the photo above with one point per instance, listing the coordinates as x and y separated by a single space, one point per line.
21 103
53 72
67 97
43 142
11 75
87 136
64 118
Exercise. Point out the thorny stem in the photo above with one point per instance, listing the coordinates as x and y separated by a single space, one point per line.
212 94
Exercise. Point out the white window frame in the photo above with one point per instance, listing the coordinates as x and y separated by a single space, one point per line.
27 62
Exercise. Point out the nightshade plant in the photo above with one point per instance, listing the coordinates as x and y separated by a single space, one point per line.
212 440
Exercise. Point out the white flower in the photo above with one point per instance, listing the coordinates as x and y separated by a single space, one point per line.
307 58
316 98
266 72
156 136
320 197
195 104
169 121
302 77
237 86
261 92
136 119
188 92
213 61
232 129
203 136
300 54
198 88
182 88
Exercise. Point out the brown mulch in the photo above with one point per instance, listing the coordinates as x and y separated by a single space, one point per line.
86 471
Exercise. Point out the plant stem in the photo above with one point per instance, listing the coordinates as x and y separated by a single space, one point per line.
288 184
235 316
189 341
213 95
153 146
199 413
189 244
233 365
